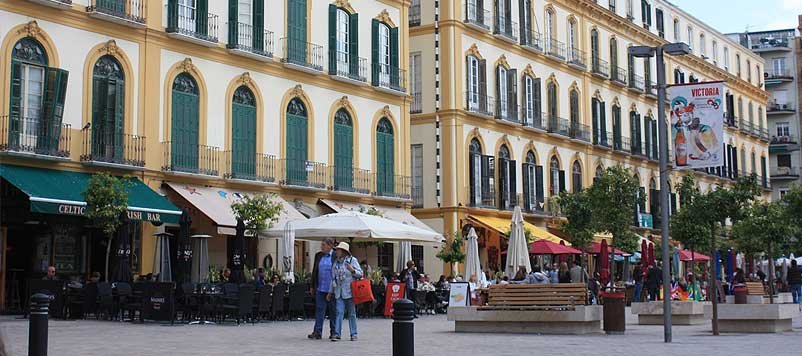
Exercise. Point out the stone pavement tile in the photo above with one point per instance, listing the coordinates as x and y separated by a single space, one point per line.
433 336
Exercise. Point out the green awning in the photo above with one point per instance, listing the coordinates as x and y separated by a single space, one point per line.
60 192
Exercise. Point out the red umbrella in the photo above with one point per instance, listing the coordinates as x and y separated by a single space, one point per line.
562 257
604 263
595 249
686 255
644 257
651 255
546 247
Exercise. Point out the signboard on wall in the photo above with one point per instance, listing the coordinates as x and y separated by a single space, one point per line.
697 124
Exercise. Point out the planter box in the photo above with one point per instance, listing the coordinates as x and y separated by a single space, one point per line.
582 320
755 318
682 312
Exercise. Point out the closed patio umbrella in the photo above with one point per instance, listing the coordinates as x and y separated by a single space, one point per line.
236 261
652 261
604 263
200 262
517 251
675 263
288 252
122 265
473 267
183 262
161 260
404 255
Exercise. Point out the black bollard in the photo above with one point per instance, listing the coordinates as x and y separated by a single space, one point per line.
403 328
37 329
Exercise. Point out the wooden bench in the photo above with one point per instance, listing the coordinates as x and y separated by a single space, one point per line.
755 288
564 296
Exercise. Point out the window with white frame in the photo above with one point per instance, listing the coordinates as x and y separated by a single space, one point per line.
630 10
529 98
549 29
473 83
677 35
715 52
502 91
783 129
343 40
690 37
571 39
726 58
702 45
778 66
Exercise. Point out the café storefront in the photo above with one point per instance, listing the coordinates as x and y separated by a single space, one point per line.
42 223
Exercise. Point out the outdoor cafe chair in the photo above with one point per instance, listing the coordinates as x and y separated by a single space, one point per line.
420 300
279 292
105 299
245 305
264 306
297 295
187 301
128 301
229 301
89 300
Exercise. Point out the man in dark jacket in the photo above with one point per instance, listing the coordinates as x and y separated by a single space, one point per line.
795 281
320 288
653 280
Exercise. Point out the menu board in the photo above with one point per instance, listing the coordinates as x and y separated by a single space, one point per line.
65 251
459 295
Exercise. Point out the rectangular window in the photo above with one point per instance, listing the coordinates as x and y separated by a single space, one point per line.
677 35
502 91
630 11
385 257
702 45
415 86
342 41
783 129
473 83
661 30
529 98
783 192
690 37
778 65
784 160
245 12
715 52
726 59
417 256
417 175
612 5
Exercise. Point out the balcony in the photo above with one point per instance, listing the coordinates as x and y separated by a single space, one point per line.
618 75
182 158
414 15
767 44
485 202
580 132
778 75
506 30
603 139
261 168
389 79
623 144
301 55
532 119
57 4
344 68
507 112
785 173
555 49
477 17
559 126
416 107
599 67
532 40
745 126
393 186
779 108
784 140
762 181
351 180
183 23
764 134
245 41
507 201
34 137
124 12
304 174
636 148
104 148
783 144
576 58
730 120
649 87
636 82
478 104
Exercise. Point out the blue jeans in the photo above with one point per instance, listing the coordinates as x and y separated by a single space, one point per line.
638 291
344 306
796 291
323 307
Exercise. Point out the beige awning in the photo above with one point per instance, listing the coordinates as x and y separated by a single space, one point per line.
215 203
388 212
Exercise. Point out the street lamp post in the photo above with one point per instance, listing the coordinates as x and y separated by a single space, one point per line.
676 49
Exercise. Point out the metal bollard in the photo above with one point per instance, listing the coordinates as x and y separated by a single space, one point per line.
403 328
37 329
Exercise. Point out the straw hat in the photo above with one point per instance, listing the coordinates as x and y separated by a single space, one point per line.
344 246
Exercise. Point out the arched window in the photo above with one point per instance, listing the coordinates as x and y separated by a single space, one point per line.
476 84
342 32
108 110
533 185
551 94
614 60
506 177
690 37
573 43
475 171
575 129
748 70
557 183
385 158
576 177
754 163
243 134
503 94
702 45
726 58
343 151
741 108
677 35
185 129
550 36
296 142
743 160
760 117
296 31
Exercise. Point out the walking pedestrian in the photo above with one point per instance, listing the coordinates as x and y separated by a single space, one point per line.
637 275
321 285
795 282
344 270
653 280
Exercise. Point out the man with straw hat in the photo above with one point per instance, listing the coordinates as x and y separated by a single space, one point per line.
345 269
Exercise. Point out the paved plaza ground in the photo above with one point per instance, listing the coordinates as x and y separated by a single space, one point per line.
434 335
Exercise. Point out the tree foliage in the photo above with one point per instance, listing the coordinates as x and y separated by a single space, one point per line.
259 212
611 198
452 251
106 198
764 227
579 216
687 225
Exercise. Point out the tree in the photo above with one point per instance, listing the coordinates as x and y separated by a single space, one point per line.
764 227
611 198
106 199
259 212
579 218
452 252
686 225
792 201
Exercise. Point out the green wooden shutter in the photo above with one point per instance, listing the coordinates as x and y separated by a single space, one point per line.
15 111
119 120
594 108
53 108
332 39
353 46
395 72
185 131
233 23
296 149
603 123
374 52
243 140
385 162
258 26
296 26
99 89
539 195
172 15
343 157
537 107
202 17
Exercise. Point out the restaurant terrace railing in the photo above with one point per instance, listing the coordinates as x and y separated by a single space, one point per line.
105 146
532 39
302 53
244 37
185 20
33 135
129 10
259 167
479 104
189 158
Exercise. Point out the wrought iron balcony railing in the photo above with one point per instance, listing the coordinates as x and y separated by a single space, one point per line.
599 66
303 54
477 15
479 104
618 75
34 135
258 167
133 11
533 119
244 37
344 66
304 173
185 20
350 179
532 39
389 77
555 48
106 146
576 57
192 159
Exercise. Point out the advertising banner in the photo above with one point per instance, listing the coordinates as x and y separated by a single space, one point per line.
395 291
697 124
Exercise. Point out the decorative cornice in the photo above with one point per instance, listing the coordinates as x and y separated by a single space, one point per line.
473 50
186 65
344 4
344 102
386 112
529 71
110 48
384 16
297 91
245 79
32 29
502 61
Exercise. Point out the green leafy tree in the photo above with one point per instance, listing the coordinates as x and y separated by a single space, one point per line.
579 218
259 212
106 199
792 201
686 225
452 252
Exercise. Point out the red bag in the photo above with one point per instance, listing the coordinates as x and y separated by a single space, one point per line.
361 291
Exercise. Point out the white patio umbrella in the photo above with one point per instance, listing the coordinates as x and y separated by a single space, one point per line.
517 251
472 265
358 227
404 255
288 252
